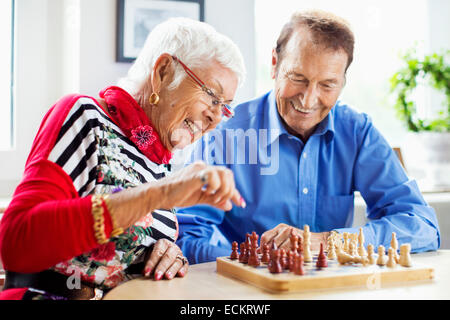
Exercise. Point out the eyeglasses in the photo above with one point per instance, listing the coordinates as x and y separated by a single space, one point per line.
227 110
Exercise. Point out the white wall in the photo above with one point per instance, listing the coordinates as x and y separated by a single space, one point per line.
65 46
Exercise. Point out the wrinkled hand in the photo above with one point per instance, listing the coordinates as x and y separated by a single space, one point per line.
281 236
199 183
166 259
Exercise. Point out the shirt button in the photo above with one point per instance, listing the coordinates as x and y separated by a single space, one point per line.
305 190
304 155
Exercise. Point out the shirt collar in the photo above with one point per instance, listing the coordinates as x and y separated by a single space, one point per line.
275 125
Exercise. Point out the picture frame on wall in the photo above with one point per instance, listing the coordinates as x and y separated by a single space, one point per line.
137 18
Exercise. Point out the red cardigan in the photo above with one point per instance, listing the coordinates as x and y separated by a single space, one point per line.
47 222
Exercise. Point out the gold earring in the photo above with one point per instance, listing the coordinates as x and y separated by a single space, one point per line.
154 98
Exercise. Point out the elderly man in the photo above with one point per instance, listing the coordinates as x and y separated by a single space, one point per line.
298 155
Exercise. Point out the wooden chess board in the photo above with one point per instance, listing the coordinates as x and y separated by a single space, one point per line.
334 276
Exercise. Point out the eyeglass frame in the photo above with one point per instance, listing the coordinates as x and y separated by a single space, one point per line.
227 111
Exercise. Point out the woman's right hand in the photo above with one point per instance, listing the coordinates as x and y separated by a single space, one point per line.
200 184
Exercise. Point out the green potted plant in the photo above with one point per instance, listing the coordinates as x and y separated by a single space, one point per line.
432 133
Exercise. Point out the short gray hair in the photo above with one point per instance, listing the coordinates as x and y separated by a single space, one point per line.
193 42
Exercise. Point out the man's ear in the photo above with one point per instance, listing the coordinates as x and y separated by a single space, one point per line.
274 68
162 72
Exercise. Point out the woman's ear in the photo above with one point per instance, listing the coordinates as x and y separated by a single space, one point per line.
162 72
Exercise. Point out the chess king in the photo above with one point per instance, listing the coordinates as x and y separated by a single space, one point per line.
298 154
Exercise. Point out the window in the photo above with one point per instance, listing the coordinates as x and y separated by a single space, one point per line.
383 29
6 74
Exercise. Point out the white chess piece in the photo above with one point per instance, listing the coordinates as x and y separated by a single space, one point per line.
307 255
391 263
331 251
382 259
405 257
361 250
394 245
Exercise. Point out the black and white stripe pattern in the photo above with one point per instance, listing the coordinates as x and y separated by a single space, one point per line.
78 153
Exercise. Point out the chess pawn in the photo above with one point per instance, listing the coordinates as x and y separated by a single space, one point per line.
291 256
265 258
382 259
331 251
234 251
294 241
300 246
370 254
243 253
253 259
405 257
391 263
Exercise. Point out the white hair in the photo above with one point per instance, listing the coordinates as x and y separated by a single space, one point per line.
194 43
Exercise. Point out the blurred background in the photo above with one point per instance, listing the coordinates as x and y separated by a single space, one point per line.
55 47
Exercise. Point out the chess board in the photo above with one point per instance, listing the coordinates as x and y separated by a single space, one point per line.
334 276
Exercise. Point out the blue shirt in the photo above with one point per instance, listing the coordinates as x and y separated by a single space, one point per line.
284 180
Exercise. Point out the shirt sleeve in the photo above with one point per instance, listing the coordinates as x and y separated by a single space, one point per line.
394 202
47 221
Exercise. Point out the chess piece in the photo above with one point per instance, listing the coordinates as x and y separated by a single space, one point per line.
331 250
382 259
294 242
346 242
322 258
234 251
274 264
343 257
298 265
265 258
391 263
370 254
291 255
307 255
284 259
243 253
253 259
394 245
405 257
300 246
352 250
361 250
247 248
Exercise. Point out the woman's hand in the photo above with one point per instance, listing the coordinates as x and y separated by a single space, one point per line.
166 259
199 183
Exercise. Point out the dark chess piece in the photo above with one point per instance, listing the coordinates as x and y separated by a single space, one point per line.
243 253
274 264
322 261
284 259
265 258
253 259
298 265
300 246
234 251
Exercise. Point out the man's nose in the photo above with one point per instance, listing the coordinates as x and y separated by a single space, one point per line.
310 97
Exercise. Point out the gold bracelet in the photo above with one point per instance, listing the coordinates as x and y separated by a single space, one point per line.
116 230
99 220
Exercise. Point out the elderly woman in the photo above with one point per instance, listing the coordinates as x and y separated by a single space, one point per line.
94 207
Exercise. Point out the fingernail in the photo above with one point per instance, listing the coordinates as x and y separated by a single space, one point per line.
147 271
181 273
243 204
158 275
169 275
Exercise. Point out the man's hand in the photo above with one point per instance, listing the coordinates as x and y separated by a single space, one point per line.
281 236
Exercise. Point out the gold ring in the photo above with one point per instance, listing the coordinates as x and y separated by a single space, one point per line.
183 259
